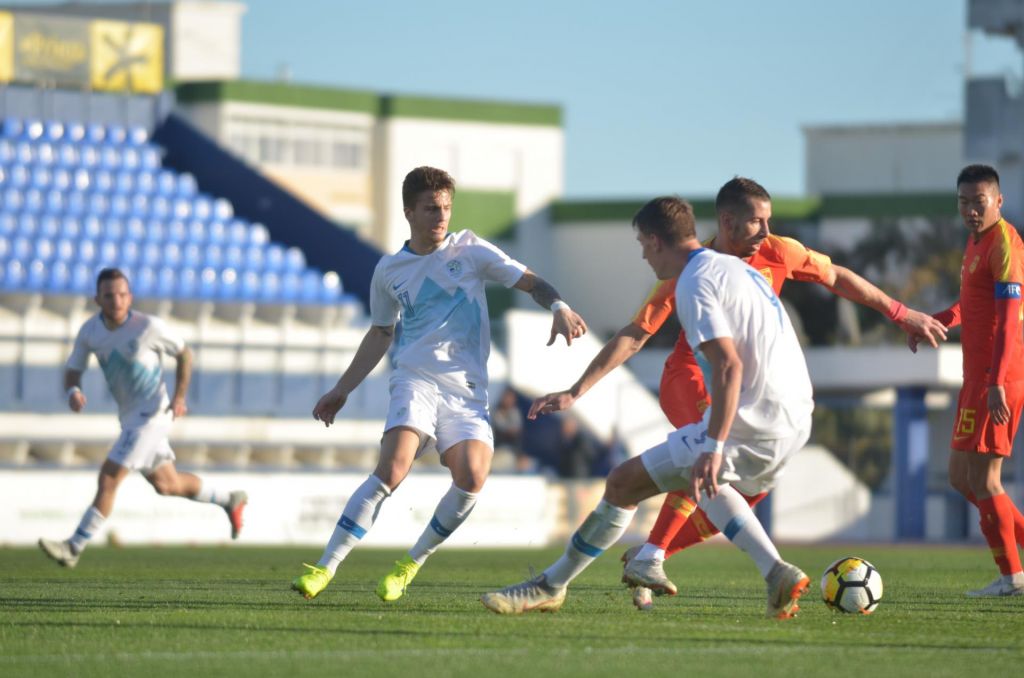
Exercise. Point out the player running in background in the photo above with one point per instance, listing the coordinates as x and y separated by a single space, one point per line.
129 346
989 406
744 212
435 284
760 414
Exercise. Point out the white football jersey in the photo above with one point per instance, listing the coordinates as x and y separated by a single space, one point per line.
721 296
445 332
130 357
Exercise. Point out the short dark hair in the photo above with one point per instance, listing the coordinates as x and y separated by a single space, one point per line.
737 194
668 217
976 174
425 179
110 274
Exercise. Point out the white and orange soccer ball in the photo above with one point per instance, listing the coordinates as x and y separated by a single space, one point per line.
852 585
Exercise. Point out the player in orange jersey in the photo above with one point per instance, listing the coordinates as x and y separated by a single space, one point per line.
988 410
744 211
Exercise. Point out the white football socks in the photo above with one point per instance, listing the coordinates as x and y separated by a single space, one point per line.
731 514
453 509
602 528
356 519
91 522
650 552
211 495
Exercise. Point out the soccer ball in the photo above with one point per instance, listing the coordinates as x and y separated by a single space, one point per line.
852 585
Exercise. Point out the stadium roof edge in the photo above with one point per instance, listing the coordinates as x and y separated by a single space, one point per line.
383 105
872 206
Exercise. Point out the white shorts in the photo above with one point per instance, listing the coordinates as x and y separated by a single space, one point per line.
444 419
144 448
750 466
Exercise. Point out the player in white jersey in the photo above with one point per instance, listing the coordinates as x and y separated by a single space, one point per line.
760 414
129 346
435 285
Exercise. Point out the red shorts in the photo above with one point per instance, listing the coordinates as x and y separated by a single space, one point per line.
681 394
974 430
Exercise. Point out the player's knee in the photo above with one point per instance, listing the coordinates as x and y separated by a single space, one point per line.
617 488
960 485
164 487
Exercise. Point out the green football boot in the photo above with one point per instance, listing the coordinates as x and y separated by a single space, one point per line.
313 582
392 585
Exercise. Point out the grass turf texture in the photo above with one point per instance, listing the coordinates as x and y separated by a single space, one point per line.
229 611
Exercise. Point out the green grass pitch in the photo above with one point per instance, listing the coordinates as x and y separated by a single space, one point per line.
229 611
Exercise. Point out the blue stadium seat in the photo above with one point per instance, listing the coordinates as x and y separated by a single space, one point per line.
170 254
139 205
216 233
202 207
116 134
166 282
270 288
124 182
35 276
294 260
92 227
8 224
254 257
60 179
81 279
196 232
249 289
110 157
7 153
145 182
152 254
64 250
70 227
67 155
28 225
135 230
41 177
309 291
49 226
95 133
177 232
100 205
81 179
331 288
208 279
75 202
150 158
229 284
130 253
238 232
45 153
291 287
33 130
12 128
86 252
166 183
19 176
160 207
130 158
74 132
14 274
21 248
144 284
185 185
213 256
108 253
12 201
274 261
59 279
187 284
33 200
222 209
5 247
42 249
181 208
234 257
88 156
24 153
55 200
137 135
155 231
192 256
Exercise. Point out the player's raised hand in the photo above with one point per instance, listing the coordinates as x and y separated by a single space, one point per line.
552 402
924 327
997 406
569 324
704 475
76 401
328 406
178 408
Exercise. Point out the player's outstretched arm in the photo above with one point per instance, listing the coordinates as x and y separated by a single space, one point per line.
726 379
371 349
566 322
73 387
618 350
182 378
849 285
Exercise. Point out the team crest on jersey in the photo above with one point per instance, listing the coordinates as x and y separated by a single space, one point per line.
454 268
974 264
767 273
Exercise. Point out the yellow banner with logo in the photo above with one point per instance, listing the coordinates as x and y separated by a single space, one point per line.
111 56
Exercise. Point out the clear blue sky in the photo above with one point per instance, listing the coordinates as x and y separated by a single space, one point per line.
658 96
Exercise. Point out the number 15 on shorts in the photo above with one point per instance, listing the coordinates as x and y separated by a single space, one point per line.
965 421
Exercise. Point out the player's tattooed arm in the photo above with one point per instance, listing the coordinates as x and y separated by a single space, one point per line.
182 378
566 322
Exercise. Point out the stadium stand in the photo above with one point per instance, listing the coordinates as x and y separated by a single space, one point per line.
270 333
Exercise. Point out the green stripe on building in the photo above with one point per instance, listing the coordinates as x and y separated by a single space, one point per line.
475 111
